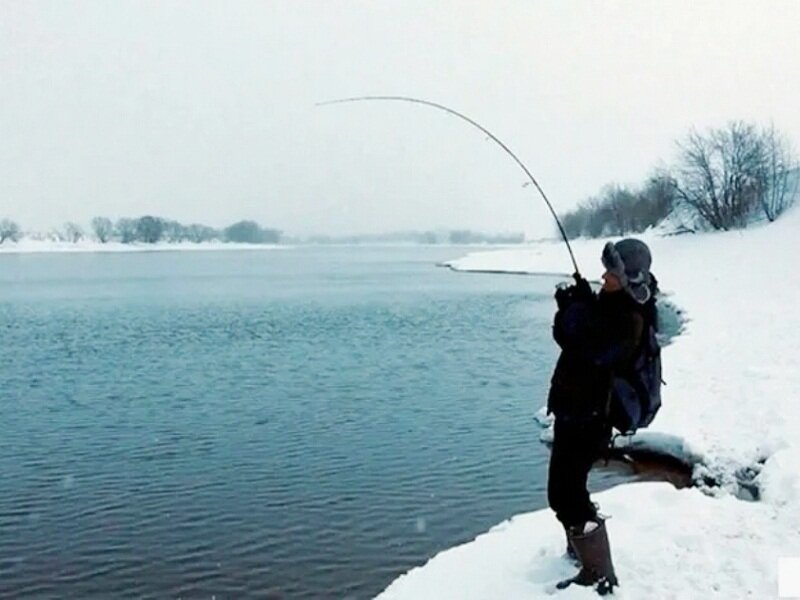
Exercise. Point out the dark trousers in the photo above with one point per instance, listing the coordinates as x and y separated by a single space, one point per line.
576 446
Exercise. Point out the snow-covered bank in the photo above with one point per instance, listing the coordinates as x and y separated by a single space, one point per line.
29 246
666 543
732 405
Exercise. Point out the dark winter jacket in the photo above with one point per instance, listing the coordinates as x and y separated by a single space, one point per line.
598 335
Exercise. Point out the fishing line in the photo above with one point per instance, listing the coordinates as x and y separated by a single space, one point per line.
488 133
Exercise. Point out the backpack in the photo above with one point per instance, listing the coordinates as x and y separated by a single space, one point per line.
635 396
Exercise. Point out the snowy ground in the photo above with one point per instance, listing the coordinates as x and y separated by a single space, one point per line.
26 246
731 408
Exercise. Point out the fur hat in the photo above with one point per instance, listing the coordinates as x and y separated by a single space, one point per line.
630 261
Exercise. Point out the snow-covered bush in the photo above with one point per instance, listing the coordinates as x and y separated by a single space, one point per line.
9 230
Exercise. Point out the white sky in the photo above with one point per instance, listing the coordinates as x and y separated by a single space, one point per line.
204 111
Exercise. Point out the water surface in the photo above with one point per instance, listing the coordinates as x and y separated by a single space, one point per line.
304 423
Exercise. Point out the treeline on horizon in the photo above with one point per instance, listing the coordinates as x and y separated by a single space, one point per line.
454 236
722 179
148 230
151 230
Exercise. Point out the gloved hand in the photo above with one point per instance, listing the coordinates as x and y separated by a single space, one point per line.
582 289
564 296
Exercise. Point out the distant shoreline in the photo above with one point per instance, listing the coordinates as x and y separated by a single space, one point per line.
52 247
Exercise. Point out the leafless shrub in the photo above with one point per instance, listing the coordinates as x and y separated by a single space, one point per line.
780 174
727 174
9 230
73 232
620 210
103 229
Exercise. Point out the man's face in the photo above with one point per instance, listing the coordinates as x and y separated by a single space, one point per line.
611 282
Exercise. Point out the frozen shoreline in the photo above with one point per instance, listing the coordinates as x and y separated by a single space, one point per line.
730 408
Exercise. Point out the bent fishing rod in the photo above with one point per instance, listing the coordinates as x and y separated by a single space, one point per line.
492 136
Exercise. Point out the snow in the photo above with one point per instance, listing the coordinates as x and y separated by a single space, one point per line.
666 543
32 246
731 409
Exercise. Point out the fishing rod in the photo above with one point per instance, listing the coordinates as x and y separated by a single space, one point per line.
492 136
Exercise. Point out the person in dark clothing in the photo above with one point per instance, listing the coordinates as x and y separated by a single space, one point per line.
599 335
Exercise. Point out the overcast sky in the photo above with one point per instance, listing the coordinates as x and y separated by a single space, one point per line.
205 111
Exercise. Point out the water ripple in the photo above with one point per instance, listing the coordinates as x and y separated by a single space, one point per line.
181 427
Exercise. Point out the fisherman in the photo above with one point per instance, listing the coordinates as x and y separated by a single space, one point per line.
599 335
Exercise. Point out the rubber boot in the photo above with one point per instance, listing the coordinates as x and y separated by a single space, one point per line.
570 553
595 555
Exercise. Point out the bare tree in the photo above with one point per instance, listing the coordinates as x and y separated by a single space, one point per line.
721 174
9 231
126 230
73 232
598 218
103 229
656 200
620 203
780 177
574 222
620 210
201 233
149 229
250 232
698 185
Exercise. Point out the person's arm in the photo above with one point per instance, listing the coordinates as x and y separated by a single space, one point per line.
573 321
574 325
